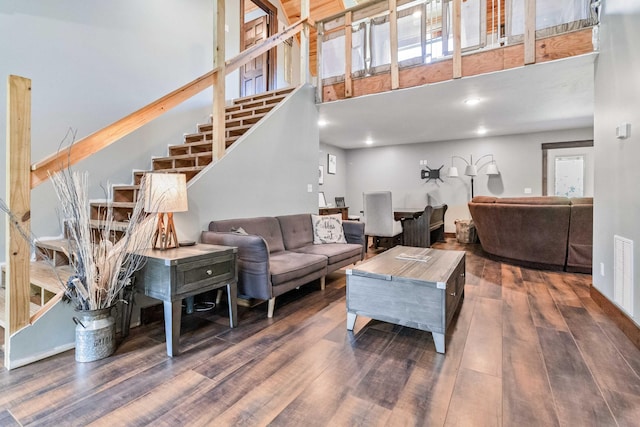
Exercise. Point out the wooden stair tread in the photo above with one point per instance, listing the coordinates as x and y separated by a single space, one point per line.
61 245
270 94
186 169
126 187
41 274
114 204
241 127
115 225
184 156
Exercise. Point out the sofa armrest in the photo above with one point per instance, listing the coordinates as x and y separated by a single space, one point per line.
254 276
354 233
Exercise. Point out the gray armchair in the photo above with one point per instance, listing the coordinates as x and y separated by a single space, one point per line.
378 219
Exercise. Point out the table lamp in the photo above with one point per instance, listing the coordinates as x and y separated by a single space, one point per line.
165 193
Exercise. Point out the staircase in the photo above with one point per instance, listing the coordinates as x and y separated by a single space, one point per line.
190 157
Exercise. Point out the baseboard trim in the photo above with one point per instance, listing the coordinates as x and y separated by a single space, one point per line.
626 325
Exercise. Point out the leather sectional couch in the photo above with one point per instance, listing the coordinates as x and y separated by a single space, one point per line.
548 231
277 254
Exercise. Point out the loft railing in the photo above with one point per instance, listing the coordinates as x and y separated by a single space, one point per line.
22 176
384 36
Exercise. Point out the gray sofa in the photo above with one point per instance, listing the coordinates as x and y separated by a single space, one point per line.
277 254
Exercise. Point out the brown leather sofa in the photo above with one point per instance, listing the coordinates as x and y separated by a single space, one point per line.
549 232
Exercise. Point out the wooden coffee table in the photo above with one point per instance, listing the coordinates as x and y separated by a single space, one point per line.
415 287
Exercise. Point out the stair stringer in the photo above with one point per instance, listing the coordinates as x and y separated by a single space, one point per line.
265 173
51 333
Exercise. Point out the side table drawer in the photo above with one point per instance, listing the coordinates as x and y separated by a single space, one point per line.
195 275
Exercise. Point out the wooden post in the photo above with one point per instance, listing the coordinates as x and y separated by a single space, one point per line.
304 43
457 39
393 42
529 31
320 31
218 136
18 190
348 84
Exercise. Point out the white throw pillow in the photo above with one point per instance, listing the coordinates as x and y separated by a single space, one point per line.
327 229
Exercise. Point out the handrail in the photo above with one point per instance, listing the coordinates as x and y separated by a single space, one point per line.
104 137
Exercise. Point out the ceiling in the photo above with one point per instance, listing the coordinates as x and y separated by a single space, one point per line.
540 97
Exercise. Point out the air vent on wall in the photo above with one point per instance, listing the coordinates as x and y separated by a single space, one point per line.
623 273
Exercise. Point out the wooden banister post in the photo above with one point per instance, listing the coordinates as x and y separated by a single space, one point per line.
304 43
529 32
320 31
348 84
457 39
18 190
219 95
393 42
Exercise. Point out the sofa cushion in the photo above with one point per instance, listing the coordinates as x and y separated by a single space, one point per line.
327 229
335 252
484 199
296 229
286 266
266 227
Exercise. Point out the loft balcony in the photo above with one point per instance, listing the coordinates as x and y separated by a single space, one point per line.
381 46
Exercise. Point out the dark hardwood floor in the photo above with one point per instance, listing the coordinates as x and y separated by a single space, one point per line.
527 348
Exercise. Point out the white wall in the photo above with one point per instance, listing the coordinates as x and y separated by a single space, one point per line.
617 100
397 168
92 63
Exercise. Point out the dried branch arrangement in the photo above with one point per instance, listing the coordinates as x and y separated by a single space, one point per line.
101 268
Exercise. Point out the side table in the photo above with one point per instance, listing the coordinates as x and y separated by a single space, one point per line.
174 274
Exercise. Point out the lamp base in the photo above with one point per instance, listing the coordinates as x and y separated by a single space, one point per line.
165 236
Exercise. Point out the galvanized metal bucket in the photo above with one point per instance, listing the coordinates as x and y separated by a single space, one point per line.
95 334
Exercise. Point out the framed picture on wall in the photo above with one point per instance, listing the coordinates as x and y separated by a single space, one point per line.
321 175
331 163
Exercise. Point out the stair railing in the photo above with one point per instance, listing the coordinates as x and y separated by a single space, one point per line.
106 136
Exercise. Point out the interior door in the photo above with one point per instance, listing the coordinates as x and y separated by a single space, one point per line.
254 75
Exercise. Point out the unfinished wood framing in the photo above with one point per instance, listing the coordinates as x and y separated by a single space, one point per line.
348 34
529 32
393 43
19 201
457 39
219 98
320 35
304 43
503 58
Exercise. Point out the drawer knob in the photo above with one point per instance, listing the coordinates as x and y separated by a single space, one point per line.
209 272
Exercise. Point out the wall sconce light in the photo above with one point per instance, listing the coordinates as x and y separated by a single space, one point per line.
427 173
472 168
165 193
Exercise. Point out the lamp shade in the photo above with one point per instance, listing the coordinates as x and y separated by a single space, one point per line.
453 172
165 192
471 170
492 169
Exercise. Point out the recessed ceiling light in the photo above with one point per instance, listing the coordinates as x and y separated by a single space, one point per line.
481 131
322 123
472 101
368 141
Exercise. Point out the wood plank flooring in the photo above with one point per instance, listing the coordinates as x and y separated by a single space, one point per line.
527 348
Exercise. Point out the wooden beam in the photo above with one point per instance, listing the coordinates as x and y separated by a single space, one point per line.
529 32
457 39
219 97
320 34
304 43
393 43
18 193
348 34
